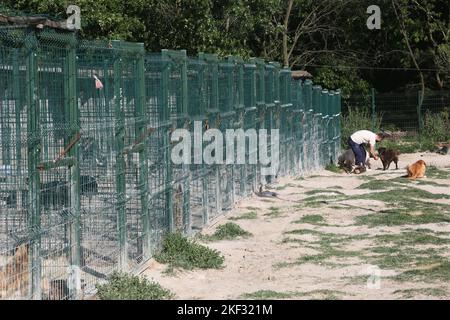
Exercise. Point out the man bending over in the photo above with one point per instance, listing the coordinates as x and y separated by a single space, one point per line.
358 139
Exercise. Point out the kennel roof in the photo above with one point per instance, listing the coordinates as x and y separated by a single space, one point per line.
38 21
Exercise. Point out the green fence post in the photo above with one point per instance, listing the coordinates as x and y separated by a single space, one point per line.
141 134
307 124
324 127
330 127
203 117
186 168
74 171
419 114
166 138
317 126
374 115
18 107
33 153
120 159
339 115
213 115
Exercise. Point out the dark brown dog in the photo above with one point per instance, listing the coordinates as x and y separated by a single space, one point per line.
387 156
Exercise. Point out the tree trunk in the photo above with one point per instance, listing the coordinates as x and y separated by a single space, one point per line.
411 53
285 33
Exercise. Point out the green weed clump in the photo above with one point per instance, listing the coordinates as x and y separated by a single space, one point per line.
123 286
180 252
228 231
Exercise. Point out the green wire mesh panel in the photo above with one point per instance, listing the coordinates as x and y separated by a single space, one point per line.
296 126
212 119
224 122
198 95
237 104
14 139
178 106
286 129
323 133
308 127
132 99
157 146
251 121
98 167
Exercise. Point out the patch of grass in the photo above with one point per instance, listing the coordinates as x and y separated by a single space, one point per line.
401 257
317 191
281 187
435 173
404 208
325 294
412 238
333 168
326 198
359 280
366 177
328 245
228 231
180 252
246 216
267 294
411 293
123 286
376 185
270 294
437 269
312 219
409 193
335 187
311 204
327 253
400 217
407 182
274 212
252 208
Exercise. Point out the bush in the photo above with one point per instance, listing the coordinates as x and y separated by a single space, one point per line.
123 286
357 119
436 127
180 252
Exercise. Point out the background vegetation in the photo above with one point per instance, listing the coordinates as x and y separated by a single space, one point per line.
328 38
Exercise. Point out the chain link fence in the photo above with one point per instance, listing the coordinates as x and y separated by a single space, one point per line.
404 112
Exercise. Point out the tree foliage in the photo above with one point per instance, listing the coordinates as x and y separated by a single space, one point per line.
318 35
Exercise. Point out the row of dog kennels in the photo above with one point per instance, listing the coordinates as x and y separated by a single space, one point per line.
87 184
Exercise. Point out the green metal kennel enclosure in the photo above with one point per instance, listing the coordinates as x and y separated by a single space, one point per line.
87 185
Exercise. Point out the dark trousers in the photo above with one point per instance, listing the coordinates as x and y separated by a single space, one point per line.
359 151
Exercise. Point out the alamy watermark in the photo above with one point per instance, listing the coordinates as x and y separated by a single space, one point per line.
374 20
374 280
241 147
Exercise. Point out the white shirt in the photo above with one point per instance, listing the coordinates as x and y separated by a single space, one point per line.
364 136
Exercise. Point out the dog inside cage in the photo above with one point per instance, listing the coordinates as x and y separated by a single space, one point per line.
14 275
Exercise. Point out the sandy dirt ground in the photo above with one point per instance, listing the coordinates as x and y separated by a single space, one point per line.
325 237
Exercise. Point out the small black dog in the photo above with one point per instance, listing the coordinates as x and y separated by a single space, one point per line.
387 156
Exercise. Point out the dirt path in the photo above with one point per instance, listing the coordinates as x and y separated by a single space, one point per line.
334 236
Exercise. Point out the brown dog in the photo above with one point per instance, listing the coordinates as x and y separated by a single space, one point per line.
387 156
416 170
14 275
